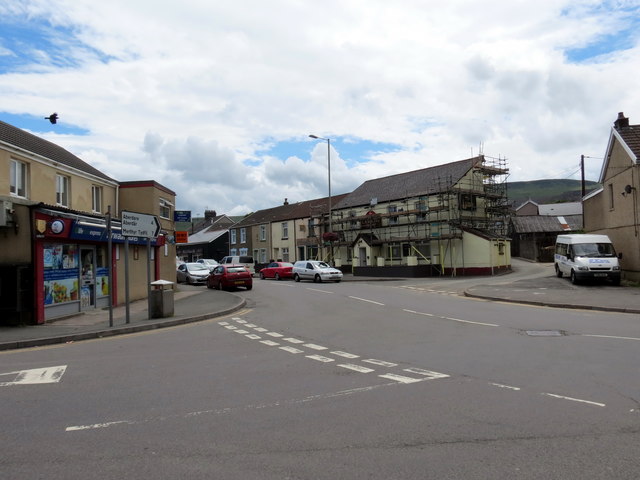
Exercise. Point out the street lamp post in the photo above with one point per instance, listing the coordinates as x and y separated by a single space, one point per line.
329 173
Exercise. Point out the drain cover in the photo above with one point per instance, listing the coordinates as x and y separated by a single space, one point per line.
545 333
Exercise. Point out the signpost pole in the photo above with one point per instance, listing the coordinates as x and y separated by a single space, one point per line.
126 278
149 277
110 263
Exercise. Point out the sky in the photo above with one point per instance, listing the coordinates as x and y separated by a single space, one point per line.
216 100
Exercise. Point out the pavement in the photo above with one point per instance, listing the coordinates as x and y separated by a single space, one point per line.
533 284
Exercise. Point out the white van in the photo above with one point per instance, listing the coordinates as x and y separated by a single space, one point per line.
586 257
245 260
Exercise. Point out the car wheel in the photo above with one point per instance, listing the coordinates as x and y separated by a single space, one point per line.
296 277
278 276
209 284
558 271
261 276
337 281
216 286
189 281
574 280
317 279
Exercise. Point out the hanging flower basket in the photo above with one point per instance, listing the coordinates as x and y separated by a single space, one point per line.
330 237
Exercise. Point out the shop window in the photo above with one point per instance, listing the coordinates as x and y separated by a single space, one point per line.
96 196
61 273
18 179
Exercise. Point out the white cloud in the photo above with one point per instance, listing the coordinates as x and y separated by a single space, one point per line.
188 93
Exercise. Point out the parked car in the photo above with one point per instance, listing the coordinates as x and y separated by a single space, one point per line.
244 260
315 270
192 273
230 276
277 270
210 263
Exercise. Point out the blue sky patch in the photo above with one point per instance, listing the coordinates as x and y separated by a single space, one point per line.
351 151
39 124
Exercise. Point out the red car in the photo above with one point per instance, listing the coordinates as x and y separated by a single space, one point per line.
230 276
277 270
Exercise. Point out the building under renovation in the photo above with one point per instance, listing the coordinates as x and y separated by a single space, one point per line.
446 220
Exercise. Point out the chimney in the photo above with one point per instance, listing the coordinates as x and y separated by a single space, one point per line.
209 214
621 122
286 201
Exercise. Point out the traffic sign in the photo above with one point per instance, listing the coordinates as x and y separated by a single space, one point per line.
182 237
140 225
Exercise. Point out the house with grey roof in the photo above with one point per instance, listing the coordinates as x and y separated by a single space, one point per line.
449 219
57 214
614 209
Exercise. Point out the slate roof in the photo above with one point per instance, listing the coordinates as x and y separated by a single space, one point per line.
426 181
545 224
291 211
567 208
206 236
631 136
28 142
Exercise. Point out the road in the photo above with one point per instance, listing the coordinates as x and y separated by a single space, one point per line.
385 380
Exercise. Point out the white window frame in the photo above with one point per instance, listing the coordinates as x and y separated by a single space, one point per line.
18 174
63 184
243 251
243 237
263 255
263 232
233 252
285 230
96 198
285 254
165 208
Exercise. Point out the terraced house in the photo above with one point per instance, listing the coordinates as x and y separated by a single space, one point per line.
54 212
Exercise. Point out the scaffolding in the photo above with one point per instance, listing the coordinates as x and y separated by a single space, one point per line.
478 201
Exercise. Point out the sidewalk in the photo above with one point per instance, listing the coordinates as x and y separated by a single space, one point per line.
197 305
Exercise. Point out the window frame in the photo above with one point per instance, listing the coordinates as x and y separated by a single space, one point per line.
63 187
18 178
233 236
285 230
165 205
243 235
96 198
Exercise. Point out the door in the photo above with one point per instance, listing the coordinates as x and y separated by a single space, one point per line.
362 256
87 278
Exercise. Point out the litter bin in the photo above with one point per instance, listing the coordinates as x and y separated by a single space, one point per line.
161 299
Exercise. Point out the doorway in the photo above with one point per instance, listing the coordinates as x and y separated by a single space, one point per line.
87 278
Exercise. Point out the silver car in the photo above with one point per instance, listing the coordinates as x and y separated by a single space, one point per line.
316 271
192 273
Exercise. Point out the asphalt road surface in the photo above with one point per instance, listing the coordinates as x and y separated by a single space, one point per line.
380 380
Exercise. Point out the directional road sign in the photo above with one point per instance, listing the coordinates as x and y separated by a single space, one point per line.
140 225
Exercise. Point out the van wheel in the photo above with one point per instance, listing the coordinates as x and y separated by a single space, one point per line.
615 282
317 279
558 271
296 277
574 280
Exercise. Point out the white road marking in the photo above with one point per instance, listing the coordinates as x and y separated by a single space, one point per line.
223 323
291 350
250 325
611 336
241 331
239 320
260 329
271 343
231 327
426 373
293 340
253 336
505 386
35 376
382 363
345 354
356 368
321 291
365 300
320 358
313 346
275 334
575 399
451 318
401 378
96 425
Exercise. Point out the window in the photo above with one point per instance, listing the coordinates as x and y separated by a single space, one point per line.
233 252
232 234
165 208
263 255
244 251
285 230
96 196
467 201
62 190
395 251
312 232
263 233
285 254
18 180
243 237
611 203
392 209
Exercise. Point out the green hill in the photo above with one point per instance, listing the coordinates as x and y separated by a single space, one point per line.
548 191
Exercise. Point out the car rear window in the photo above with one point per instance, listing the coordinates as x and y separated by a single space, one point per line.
236 269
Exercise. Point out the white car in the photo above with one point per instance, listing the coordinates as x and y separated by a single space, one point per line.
316 271
192 273
210 263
